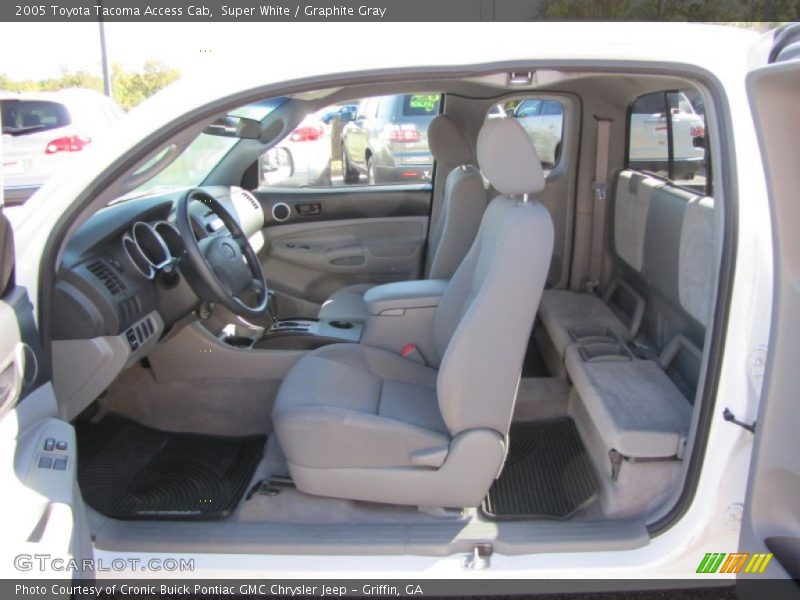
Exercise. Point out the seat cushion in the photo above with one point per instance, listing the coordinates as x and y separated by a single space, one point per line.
348 405
635 407
561 310
347 304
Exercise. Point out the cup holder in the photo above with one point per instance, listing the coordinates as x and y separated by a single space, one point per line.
238 341
604 352
342 324
590 334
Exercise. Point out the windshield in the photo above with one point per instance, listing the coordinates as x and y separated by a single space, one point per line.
193 165
200 157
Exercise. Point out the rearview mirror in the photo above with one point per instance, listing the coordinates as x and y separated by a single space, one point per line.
238 127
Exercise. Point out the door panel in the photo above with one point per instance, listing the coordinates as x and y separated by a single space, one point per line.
332 238
42 511
772 510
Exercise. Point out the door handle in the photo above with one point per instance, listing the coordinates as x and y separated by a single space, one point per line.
309 209
12 374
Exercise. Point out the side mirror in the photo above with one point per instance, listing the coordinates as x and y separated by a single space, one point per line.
275 165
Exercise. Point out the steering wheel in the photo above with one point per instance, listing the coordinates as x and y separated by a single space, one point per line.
224 263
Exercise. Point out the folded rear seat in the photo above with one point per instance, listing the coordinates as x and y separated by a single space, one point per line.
636 409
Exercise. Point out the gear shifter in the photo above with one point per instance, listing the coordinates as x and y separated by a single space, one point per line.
272 308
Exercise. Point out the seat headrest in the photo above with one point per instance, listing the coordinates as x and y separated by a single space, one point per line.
448 143
508 159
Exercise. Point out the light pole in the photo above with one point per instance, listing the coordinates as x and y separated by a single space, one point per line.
103 54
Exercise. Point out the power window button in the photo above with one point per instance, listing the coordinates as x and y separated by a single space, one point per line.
49 444
61 445
60 464
45 462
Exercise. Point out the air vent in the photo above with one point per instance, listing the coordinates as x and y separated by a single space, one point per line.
107 276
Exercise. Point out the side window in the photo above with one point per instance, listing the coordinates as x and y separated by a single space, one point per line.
671 148
375 141
542 119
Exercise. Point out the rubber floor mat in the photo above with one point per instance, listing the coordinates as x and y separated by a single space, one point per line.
547 474
129 471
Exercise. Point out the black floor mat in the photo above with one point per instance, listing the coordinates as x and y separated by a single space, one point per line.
129 471
546 474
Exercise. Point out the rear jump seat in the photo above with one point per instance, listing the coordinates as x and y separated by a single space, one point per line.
629 407
637 410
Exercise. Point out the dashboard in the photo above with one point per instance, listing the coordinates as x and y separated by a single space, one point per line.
123 272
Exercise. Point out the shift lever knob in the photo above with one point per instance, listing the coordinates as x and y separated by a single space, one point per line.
272 307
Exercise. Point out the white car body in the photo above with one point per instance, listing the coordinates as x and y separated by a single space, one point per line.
29 159
710 522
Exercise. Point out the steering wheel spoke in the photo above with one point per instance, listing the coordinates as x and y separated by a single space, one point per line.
225 265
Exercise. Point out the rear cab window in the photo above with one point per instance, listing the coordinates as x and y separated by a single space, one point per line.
22 117
374 141
543 121
673 149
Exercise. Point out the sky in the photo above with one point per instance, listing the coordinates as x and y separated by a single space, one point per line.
39 50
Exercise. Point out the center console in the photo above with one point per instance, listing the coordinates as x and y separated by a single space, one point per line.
399 316
307 334
292 334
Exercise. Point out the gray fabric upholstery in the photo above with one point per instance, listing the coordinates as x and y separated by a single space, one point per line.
635 407
449 143
631 206
697 259
508 159
463 204
561 310
348 405
362 423
346 304
462 209
484 319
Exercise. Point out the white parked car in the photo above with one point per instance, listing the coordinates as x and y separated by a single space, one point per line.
649 129
44 132
308 148
593 376
542 120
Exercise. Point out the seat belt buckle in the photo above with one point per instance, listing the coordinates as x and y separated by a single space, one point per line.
410 351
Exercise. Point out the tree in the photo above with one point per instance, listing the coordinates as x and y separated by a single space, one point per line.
129 88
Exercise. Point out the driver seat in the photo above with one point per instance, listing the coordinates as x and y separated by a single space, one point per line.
363 423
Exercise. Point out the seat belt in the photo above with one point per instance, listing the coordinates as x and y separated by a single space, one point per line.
599 189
